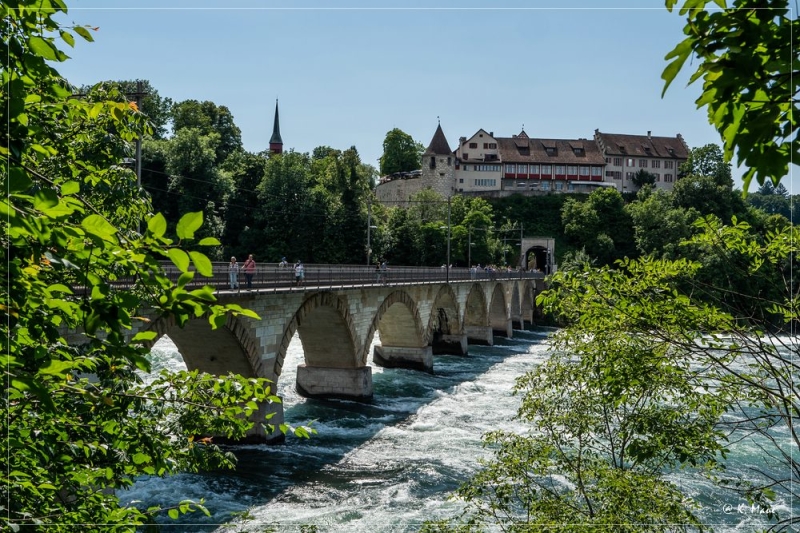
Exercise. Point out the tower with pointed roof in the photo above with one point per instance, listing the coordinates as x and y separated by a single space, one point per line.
275 142
438 165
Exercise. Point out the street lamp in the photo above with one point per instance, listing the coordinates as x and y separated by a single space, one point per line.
369 250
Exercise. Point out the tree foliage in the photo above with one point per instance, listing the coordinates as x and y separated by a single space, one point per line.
79 420
747 54
401 153
156 108
208 118
643 178
651 374
600 224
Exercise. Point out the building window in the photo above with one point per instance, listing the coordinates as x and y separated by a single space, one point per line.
572 170
522 169
521 184
597 171
631 162
449 162
485 182
629 176
473 145
433 162
545 185
656 164
617 175
510 168
465 167
571 187
669 164
578 152
608 160
668 178
465 156
584 171
461 180
560 170
559 185
546 170
534 169
550 150
643 163
492 146
657 175
617 161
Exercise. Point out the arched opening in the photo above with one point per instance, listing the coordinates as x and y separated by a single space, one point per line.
498 315
444 326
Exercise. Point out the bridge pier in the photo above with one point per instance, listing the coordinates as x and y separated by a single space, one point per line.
404 357
482 335
503 329
517 322
329 382
450 344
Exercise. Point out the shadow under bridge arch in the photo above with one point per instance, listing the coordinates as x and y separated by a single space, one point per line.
334 357
403 340
230 349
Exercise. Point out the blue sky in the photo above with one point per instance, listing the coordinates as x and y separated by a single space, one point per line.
347 73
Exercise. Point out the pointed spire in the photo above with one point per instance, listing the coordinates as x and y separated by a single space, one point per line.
439 144
275 142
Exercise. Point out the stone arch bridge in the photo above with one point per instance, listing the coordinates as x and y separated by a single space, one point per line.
336 327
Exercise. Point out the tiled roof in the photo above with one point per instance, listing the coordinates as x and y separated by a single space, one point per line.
439 144
567 151
617 144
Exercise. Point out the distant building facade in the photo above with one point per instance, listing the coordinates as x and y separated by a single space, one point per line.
625 155
486 165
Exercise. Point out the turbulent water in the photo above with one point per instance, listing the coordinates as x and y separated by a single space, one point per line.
388 465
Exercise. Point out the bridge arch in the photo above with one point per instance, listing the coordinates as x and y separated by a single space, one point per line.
404 341
445 317
476 308
327 333
528 301
398 322
499 319
230 348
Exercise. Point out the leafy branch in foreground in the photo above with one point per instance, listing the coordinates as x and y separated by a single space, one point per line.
654 374
80 422
747 60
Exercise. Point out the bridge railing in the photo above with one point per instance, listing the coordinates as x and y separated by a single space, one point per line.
273 277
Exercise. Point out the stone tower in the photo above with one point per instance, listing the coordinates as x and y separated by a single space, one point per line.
438 165
275 142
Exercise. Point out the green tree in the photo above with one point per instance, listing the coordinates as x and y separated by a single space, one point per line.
74 261
658 226
642 178
155 107
196 181
401 153
600 225
746 59
708 161
242 230
651 373
208 117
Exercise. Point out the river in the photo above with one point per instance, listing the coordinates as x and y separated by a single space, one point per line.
389 465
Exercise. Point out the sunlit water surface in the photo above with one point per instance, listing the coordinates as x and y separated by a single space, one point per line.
391 464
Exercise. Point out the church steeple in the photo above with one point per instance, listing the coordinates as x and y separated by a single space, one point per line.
275 142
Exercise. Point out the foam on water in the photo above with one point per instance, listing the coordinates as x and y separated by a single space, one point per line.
389 465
